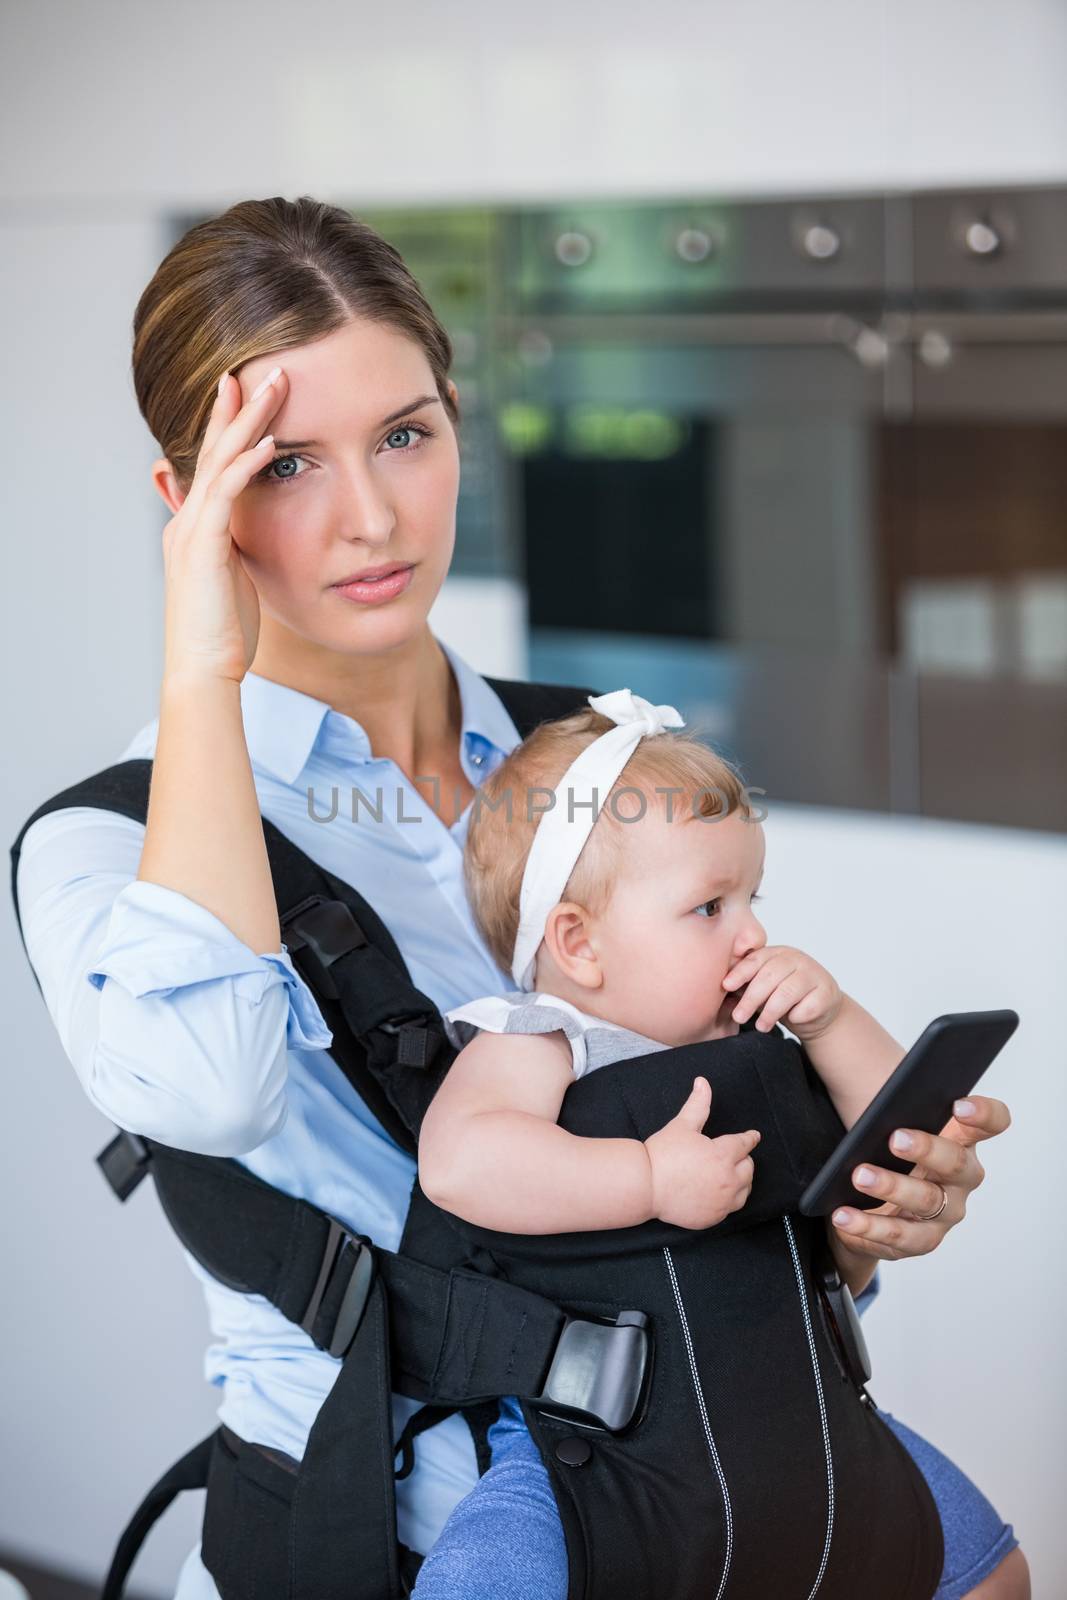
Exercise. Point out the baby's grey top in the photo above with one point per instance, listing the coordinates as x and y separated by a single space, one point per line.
594 1042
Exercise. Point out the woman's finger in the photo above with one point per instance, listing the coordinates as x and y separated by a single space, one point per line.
987 1119
886 1235
913 1192
240 430
947 1160
225 403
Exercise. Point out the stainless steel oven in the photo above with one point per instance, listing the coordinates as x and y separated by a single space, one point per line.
798 466
801 468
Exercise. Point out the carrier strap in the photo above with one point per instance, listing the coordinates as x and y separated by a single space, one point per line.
188 1473
457 1336
347 1543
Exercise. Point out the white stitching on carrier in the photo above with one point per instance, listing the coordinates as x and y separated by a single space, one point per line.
822 1405
716 1463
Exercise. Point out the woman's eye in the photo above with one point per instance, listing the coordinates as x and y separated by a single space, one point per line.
404 434
705 904
267 475
407 429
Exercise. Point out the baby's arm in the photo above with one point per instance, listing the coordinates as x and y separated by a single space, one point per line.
854 1056
852 1053
491 1151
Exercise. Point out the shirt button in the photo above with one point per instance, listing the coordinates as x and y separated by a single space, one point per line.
477 760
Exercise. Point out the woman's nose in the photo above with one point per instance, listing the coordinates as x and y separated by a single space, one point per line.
365 512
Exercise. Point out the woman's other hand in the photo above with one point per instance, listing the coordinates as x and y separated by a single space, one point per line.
212 609
904 1224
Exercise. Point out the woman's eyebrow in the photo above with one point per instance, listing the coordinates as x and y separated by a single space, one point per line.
394 416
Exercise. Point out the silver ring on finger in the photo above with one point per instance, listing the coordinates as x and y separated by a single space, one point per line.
933 1215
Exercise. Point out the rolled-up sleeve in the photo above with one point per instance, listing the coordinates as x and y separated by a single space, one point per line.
177 1029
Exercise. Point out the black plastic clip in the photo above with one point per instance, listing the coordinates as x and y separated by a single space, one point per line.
124 1162
845 1325
598 1371
328 930
356 1291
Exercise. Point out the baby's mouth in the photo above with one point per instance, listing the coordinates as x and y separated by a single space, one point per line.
724 1016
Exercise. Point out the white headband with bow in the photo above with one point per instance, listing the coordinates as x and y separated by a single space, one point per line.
561 834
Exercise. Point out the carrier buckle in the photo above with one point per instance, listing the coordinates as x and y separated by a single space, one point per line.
356 1292
124 1162
598 1371
328 929
845 1325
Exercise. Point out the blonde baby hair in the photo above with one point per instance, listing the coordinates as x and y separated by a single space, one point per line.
506 809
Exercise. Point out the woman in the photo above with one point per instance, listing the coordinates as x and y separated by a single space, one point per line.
284 679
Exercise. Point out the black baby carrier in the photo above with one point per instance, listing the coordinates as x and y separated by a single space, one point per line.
698 1397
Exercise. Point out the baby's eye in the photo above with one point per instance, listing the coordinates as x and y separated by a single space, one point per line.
703 908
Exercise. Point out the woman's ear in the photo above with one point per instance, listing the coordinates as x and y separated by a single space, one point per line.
167 484
570 945
453 394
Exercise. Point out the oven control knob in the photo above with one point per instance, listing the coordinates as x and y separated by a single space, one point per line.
694 244
935 348
982 239
820 242
573 249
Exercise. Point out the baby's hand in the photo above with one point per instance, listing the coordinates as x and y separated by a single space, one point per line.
784 985
697 1181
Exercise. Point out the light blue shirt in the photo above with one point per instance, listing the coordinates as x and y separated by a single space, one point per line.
180 1031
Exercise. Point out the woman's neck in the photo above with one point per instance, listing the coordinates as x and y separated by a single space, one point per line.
406 699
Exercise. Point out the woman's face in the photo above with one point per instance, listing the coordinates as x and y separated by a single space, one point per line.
374 481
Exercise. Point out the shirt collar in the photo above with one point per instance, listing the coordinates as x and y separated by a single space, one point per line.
283 725
483 715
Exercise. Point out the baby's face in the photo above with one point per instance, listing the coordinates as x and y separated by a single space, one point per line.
679 918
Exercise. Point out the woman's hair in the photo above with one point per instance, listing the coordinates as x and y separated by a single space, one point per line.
263 276
505 813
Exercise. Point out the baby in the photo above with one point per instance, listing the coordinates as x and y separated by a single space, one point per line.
624 911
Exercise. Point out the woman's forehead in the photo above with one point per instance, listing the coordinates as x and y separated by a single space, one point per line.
371 366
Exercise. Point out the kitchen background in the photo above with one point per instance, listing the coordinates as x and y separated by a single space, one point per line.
761 338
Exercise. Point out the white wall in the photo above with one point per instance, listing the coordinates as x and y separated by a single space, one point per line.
117 114
131 107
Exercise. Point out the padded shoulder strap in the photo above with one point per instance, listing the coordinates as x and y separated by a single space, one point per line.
529 704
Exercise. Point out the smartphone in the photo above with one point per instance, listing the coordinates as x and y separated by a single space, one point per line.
942 1066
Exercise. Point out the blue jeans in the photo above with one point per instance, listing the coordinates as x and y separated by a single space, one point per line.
509 1519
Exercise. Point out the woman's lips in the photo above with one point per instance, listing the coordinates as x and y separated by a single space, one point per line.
373 591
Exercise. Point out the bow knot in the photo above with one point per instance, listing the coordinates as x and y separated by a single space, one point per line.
629 709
